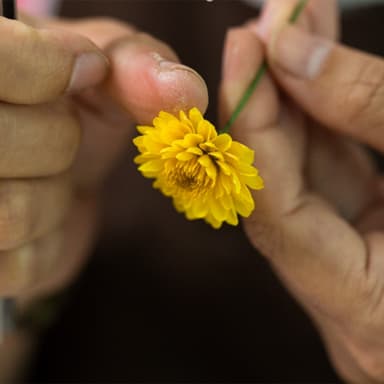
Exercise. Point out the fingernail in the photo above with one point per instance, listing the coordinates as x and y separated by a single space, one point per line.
299 53
89 70
273 17
264 25
165 66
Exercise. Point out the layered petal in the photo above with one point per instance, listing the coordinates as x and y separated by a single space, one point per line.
208 175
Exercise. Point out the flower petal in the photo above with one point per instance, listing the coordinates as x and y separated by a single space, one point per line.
242 152
254 182
223 142
209 166
217 155
144 129
224 167
195 151
207 175
217 210
151 167
232 218
184 156
207 130
195 116
192 140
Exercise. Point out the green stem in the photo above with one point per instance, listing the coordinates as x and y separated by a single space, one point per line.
298 10
259 74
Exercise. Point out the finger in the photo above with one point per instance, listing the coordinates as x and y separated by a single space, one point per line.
106 136
319 16
102 31
243 56
338 86
108 127
70 248
38 65
347 184
298 232
51 261
29 209
341 171
147 77
37 141
146 74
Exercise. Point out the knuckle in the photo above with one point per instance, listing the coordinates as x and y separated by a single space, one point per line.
18 30
364 97
267 238
370 361
15 270
65 142
42 58
32 270
14 215
49 134
374 367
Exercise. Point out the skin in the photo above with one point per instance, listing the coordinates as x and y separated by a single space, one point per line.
48 205
74 132
319 221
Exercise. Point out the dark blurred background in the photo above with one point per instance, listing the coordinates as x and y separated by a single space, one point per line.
167 300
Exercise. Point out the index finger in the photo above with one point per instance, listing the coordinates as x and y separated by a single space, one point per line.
319 16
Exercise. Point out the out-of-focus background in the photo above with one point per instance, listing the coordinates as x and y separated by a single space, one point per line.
167 300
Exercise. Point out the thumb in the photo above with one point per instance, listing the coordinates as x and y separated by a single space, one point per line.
340 87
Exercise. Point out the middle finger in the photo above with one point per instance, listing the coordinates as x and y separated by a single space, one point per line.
37 141
31 208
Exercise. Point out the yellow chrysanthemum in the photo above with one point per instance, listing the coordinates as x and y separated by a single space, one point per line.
208 175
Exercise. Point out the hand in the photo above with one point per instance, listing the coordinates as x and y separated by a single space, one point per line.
68 106
320 218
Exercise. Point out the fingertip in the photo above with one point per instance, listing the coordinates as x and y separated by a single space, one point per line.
180 88
147 78
243 54
89 69
243 61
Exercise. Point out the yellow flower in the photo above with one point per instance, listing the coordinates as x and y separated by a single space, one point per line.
208 175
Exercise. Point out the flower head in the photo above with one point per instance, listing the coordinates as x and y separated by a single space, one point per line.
208 175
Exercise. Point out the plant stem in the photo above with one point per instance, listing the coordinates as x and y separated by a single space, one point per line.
297 11
259 74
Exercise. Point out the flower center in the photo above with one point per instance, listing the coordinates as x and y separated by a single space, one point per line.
189 176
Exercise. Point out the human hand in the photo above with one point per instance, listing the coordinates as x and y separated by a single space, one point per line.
63 127
320 219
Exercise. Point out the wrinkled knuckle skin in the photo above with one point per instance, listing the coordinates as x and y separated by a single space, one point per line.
364 98
371 363
265 237
66 143
374 367
49 134
15 216
15 271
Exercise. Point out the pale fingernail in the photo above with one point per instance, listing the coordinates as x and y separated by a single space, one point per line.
89 70
299 53
273 17
266 21
165 66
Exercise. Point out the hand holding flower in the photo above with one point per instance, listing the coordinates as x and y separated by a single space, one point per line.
207 174
319 220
